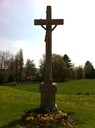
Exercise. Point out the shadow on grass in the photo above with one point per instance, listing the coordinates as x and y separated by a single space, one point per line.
11 124
15 123
23 122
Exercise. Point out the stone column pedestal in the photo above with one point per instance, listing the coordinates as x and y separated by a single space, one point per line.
48 103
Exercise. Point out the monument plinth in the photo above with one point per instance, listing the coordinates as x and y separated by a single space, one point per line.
48 89
48 101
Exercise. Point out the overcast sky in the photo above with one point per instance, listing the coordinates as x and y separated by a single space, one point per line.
76 37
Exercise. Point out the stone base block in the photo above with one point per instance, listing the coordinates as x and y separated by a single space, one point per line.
48 102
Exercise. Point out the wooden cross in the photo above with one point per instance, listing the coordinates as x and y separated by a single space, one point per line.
47 25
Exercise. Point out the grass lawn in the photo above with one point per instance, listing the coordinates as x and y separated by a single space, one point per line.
76 97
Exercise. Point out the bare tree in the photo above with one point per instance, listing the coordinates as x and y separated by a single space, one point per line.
4 64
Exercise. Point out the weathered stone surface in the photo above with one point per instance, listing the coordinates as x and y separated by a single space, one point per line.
48 100
48 89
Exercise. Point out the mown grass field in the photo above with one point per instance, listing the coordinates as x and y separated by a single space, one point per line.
75 97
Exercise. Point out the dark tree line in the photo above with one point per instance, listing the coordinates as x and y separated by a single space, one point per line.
64 70
61 67
13 69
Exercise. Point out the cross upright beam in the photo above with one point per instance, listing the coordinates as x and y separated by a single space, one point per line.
48 88
48 22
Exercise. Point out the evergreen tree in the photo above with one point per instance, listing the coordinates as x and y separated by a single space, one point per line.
69 66
67 61
89 70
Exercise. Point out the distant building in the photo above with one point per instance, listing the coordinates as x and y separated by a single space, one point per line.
29 78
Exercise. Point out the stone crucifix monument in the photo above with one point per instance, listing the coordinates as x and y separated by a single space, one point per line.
48 88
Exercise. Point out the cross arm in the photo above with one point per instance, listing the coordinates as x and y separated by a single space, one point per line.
57 22
52 22
39 22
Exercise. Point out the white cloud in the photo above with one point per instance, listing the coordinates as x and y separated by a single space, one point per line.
5 44
33 51
30 50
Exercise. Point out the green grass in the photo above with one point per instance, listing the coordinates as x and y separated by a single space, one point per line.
14 103
83 86
76 97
